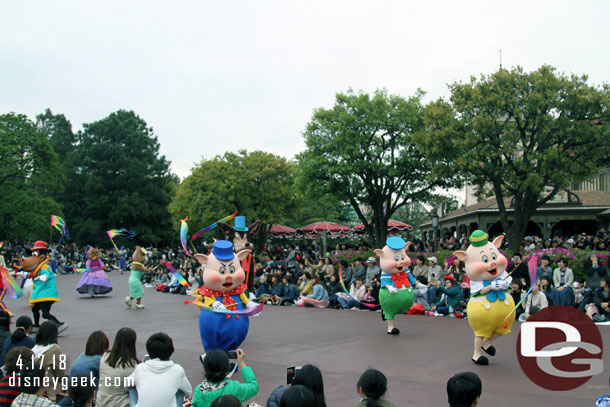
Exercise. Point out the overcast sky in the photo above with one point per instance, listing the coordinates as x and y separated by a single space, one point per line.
219 76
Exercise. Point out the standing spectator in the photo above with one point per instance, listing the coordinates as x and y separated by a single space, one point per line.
217 381
49 356
14 361
19 337
563 279
371 386
372 269
464 390
120 362
159 381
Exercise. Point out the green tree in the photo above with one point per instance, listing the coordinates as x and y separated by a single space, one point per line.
118 179
257 185
59 131
361 151
520 137
30 175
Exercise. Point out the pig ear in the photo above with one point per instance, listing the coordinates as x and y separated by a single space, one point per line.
378 252
407 246
201 258
498 241
242 254
460 254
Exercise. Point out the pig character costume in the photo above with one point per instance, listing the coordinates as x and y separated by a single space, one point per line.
489 301
396 293
223 289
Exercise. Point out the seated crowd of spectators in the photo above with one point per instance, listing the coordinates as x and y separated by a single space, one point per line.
114 376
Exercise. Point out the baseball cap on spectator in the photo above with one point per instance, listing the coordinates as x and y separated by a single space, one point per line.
433 259
570 241
371 260
528 238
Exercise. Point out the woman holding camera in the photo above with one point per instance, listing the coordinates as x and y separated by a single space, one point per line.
217 381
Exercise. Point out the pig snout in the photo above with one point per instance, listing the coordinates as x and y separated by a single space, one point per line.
228 281
492 268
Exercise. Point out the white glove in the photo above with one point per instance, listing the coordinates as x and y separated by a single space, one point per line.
504 284
392 289
495 285
22 274
252 304
42 278
217 305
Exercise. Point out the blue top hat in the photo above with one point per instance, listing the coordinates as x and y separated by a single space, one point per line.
240 224
395 243
223 250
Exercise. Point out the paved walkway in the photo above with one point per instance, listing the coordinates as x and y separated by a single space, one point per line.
342 344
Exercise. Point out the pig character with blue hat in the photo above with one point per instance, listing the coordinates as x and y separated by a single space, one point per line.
223 290
396 293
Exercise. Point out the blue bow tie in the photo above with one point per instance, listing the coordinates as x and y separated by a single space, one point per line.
493 295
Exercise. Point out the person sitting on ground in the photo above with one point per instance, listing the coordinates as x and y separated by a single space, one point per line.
81 391
48 355
357 290
599 309
15 360
298 396
217 381
306 285
359 271
117 365
291 293
309 376
327 269
32 386
420 268
278 289
519 270
226 401
371 386
319 298
452 297
563 280
345 271
535 301
89 361
579 291
372 270
421 292
464 390
159 381
264 289
19 337
516 291
544 268
334 288
434 274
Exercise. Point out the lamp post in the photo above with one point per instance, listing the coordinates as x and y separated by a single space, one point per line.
435 227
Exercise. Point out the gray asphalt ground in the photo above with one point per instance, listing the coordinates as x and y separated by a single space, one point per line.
341 343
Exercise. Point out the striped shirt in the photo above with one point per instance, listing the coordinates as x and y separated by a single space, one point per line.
7 392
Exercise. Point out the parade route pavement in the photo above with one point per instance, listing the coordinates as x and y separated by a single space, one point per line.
341 343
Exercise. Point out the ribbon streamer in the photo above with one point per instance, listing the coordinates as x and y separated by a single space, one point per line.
212 226
175 273
347 292
184 228
532 266
11 286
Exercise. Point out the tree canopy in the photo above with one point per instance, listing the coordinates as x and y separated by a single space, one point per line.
519 135
116 179
258 185
30 176
361 151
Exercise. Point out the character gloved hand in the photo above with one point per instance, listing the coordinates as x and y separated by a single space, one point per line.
505 284
392 289
42 278
496 285
217 305
252 304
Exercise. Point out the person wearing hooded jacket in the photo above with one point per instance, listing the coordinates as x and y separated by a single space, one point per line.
159 381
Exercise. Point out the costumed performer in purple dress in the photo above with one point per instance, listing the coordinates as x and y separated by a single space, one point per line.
94 281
